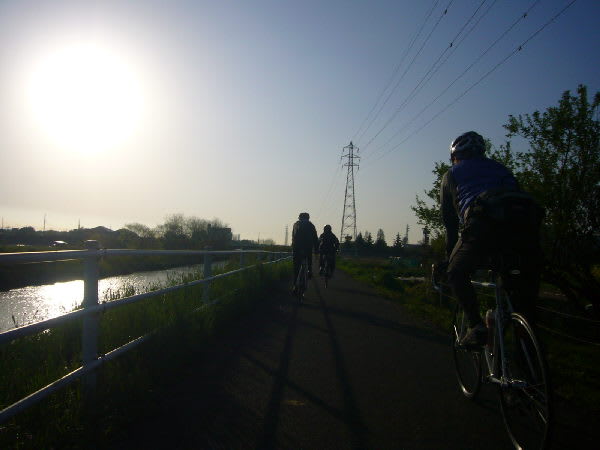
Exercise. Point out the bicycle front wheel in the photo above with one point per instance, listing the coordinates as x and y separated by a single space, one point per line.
525 399
467 362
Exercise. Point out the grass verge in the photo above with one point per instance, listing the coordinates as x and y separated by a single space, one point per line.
574 367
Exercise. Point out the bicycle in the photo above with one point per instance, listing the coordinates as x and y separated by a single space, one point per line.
302 279
327 268
513 360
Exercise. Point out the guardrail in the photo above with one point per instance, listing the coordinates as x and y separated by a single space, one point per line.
91 309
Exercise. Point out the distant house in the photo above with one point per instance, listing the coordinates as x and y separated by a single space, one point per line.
221 235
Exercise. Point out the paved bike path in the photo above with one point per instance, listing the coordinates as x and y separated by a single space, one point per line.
345 369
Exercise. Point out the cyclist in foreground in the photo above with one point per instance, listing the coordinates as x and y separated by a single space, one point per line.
482 197
304 239
328 245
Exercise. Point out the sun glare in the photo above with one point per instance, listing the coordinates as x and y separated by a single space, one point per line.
85 98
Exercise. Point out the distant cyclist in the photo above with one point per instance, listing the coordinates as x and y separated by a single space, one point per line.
304 240
483 197
328 245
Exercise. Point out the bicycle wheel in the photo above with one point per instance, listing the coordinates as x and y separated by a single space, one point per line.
302 280
467 362
526 401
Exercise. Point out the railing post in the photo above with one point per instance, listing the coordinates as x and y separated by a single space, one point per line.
89 335
207 274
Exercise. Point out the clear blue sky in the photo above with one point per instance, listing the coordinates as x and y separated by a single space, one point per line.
115 112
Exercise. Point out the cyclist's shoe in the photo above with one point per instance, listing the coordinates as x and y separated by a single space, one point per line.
475 337
309 275
321 271
294 290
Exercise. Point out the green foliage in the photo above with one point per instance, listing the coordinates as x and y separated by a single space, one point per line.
430 216
561 169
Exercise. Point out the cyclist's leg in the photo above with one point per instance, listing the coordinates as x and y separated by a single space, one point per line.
331 263
464 260
321 262
309 259
297 259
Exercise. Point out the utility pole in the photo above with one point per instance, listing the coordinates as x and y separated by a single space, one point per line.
286 235
44 222
350 152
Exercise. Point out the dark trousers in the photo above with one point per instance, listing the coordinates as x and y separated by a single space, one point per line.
480 242
299 255
330 260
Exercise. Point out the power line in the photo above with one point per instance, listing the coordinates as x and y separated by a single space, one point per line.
406 71
394 73
434 68
325 199
518 49
403 128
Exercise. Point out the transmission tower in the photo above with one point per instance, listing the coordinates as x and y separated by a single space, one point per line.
286 235
350 152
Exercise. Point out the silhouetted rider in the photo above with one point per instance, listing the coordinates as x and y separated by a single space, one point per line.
328 245
483 197
304 240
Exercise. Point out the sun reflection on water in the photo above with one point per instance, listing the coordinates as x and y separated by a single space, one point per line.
23 306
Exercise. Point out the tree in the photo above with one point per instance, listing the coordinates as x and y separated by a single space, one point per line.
430 216
141 230
360 242
397 242
562 170
380 244
368 239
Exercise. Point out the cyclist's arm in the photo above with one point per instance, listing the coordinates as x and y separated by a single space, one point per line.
448 211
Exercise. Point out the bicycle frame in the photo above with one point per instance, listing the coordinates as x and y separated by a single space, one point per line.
496 354
495 358
302 278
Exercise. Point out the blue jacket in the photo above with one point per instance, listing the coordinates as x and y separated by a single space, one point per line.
462 184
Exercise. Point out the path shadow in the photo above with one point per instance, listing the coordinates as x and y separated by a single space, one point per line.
271 420
352 414
416 332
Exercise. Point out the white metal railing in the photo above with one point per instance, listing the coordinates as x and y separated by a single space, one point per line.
91 309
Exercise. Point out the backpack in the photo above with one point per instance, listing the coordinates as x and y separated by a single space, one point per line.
508 210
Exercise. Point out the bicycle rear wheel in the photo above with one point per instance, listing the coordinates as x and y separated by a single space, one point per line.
467 362
526 401
301 282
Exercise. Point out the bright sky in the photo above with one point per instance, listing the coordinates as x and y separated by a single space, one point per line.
114 112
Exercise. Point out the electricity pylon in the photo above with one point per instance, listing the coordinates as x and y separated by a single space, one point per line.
350 152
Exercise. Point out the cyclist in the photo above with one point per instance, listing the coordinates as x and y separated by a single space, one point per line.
304 239
328 245
483 197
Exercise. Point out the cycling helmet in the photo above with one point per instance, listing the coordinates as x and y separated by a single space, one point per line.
304 215
327 228
467 145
